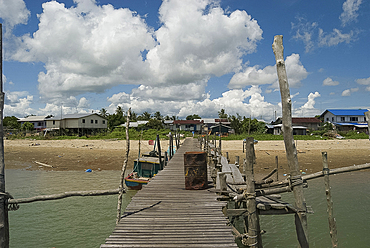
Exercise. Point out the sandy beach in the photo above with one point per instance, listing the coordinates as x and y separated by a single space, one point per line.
80 154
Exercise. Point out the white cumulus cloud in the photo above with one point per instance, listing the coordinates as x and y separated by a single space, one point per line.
13 12
364 81
268 75
90 47
348 92
329 82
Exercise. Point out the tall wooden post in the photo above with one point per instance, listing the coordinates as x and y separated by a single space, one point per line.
291 151
4 223
252 217
367 115
277 168
331 219
159 152
121 186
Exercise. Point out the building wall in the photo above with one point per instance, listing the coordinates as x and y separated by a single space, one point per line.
332 118
90 122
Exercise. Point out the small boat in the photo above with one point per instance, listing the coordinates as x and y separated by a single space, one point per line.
144 169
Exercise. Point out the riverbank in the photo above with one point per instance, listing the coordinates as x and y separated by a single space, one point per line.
78 155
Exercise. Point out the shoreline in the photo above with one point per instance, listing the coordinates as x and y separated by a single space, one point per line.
77 154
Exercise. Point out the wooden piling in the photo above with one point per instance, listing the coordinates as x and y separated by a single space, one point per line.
121 186
252 217
159 152
291 151
367 115
4 222
331 219
277 168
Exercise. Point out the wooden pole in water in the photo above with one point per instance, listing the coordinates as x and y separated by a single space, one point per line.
331 219
291 151
4 222
251 196
277 168
121 187
159 152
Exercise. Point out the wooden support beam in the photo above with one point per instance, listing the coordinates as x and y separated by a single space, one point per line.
331 219
63 195
291 151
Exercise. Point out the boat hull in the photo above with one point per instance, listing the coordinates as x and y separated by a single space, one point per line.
134 183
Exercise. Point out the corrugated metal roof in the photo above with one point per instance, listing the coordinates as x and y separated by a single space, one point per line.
33 118
187 122
73 116
347 111
305 120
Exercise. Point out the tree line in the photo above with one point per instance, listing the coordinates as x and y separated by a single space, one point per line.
155 121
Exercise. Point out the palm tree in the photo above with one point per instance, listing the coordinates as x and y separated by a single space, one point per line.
103 113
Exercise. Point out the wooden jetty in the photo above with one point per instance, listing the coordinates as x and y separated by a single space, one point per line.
164 214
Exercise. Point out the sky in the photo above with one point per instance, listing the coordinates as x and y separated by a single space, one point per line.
183 57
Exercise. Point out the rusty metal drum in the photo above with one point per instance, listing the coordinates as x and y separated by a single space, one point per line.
195 168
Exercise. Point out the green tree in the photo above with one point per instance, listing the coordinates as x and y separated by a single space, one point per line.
11 122
222 114
235 123
145 116
192 117
154 124
103 113
157 115
27 126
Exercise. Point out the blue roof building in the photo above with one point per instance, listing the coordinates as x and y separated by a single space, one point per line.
346 119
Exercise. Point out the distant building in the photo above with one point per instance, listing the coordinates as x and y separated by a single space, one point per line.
78 123
186 125
297 130
346 119
39 122
310 123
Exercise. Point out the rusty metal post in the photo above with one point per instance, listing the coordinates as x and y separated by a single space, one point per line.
195 168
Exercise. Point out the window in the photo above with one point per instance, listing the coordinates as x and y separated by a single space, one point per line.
332 119
53 122
342 118
92 121
96 121
103 121
353 118
327 119
83 120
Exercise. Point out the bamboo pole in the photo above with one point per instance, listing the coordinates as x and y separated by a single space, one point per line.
291 151
121 186
63 195
331 219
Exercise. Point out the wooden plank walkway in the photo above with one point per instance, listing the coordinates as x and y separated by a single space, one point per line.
164 214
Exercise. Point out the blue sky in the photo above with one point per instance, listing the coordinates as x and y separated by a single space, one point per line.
183 57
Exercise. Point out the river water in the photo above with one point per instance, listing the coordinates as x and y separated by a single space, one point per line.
87 221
